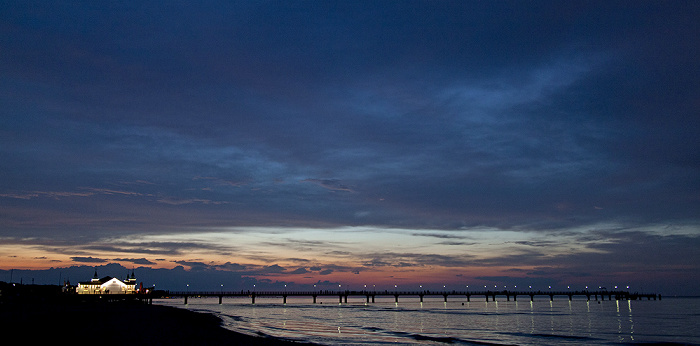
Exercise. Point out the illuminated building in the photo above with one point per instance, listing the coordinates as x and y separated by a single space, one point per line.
108 285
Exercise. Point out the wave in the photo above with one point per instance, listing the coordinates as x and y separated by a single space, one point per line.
423 337
550 336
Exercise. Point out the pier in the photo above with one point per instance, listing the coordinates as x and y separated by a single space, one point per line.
468 296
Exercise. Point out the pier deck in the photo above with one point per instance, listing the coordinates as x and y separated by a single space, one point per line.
371 295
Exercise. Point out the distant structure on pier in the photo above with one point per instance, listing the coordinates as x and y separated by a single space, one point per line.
108 285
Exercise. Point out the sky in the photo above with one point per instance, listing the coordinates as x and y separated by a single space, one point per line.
407 144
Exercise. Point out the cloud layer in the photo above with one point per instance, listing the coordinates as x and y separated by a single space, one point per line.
125 120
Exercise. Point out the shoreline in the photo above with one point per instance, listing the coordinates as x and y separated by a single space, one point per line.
116 323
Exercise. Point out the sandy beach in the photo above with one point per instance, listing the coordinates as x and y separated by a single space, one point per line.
117 323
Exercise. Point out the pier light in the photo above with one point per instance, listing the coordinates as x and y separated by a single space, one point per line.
615 286
530 286
550 287
628 287
568 287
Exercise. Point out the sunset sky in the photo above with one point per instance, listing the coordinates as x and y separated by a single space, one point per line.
382 143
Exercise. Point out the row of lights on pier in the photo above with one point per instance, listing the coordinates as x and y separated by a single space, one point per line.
443 286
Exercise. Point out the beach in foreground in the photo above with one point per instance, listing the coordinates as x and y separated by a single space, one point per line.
117 323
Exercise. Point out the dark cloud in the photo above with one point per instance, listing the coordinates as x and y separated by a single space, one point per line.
440 235
541 243
330 184
142 261
299 271
302 260
457 243
395 259
88 259
275 268
195 265
228 266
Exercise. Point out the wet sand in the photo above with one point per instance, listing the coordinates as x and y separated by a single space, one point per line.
118 323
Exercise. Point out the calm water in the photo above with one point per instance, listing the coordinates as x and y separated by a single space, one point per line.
561 322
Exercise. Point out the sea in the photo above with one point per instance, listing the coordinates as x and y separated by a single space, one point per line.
669 321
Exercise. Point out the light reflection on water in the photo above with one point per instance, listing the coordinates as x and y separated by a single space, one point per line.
436 322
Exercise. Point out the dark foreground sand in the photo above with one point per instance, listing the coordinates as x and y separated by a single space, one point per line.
118 323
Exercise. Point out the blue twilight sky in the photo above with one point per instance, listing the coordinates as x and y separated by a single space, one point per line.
352 142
